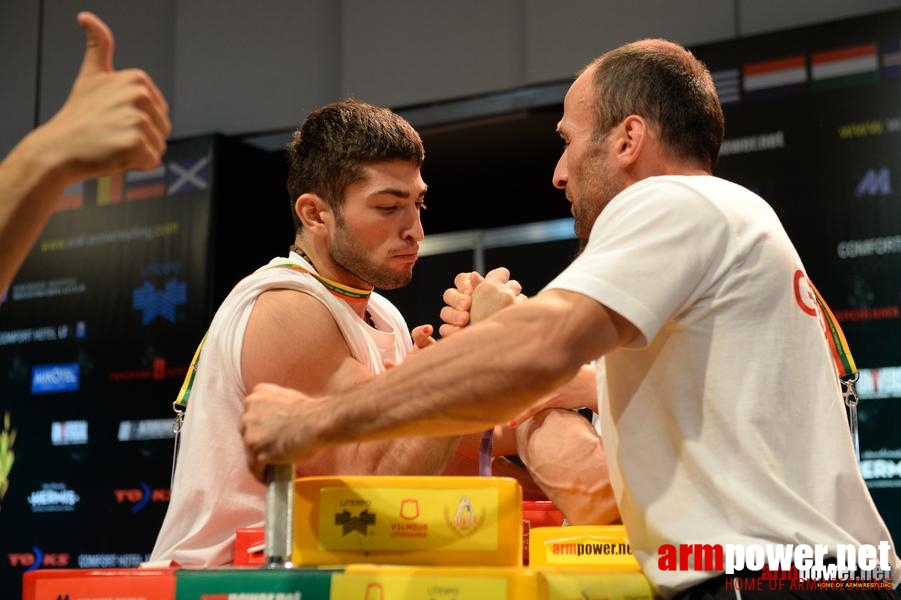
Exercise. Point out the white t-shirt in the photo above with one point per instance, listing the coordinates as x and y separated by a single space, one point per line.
724 424
213 492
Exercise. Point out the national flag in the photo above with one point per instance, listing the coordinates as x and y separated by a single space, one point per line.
775 77
728 85
188 176
841 67
140 185
72 197
891 59
109 189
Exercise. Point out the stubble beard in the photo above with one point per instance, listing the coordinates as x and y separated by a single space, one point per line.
599 186
353 259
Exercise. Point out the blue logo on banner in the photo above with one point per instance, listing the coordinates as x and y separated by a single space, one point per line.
162 303
47 379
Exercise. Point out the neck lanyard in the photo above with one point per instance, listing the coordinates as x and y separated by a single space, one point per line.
844 364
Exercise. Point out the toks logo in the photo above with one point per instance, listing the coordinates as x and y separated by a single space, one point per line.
139 498
37 559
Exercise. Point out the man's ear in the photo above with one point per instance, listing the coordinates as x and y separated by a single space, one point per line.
632 136
309 208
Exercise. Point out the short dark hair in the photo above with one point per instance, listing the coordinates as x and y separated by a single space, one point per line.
667 85
327 152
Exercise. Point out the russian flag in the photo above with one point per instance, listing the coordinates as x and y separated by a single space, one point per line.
841 67
775 77
140 185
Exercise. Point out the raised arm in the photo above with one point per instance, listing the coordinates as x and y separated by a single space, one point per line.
111 121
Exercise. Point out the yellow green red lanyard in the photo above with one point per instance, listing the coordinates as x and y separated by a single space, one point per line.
844 364
344 292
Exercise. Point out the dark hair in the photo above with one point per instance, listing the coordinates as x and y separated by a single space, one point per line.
328 151
664 83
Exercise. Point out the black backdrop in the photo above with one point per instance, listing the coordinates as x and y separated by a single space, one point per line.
100 324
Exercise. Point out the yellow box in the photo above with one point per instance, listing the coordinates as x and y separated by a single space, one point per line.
584 583
389 582
601 546
408 520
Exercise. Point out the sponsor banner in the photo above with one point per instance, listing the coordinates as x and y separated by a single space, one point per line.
110 561
53 497
36 558
881 468
158 371
871 128
772 140
138 498
869 313
51 288
49 379
153 303
146 429
67 433
137 233
875 182
842 67
46 333
884 382
869 247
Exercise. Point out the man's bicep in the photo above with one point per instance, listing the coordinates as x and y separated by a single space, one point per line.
292 340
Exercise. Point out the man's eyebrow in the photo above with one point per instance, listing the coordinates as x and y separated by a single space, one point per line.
398 193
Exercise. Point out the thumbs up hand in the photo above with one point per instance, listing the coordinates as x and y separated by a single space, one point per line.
112 120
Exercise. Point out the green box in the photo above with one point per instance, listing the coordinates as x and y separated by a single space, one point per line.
306 583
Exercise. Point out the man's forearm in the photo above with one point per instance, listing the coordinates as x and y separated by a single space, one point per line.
31 182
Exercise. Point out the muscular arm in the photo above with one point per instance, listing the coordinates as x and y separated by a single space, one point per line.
565 457
480 376
293 340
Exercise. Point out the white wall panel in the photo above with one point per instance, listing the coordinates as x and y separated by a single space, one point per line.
252 66
144 34
18 63
236 67
409 52
760 16
561 37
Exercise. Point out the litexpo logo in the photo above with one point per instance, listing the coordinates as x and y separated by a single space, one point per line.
162 303
865 562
